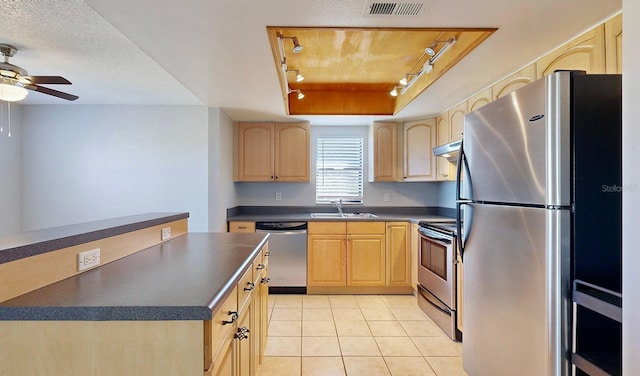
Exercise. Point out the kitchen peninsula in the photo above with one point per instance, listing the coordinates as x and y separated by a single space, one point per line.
180 306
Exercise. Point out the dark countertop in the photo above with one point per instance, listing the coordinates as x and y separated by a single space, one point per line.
184 278
303 213
31 243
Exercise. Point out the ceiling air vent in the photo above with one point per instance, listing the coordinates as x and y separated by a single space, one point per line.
394 9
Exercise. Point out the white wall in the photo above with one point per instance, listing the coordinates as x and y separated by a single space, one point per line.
631 183
400 194
221 188
10 169
83 163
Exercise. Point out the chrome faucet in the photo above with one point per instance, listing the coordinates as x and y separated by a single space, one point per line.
338 204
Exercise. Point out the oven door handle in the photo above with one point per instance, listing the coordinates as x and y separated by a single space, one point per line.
444 241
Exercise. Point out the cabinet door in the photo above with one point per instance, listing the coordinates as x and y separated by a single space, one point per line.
398 256
225 365
383 150
255 152
326 260
366 260
244 344
613 44
479 100
419 138
264 311
292 152
445 170
456 121
583 53
514 81
415 247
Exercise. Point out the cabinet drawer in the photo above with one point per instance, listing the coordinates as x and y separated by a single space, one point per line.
221 324
245 287
242 226
259 267
365 227
339 228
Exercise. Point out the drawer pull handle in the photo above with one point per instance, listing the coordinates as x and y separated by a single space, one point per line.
260 267
234 317
250 286
242 227
266 280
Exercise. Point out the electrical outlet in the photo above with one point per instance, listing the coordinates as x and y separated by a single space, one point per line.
88 259
278 196
166 233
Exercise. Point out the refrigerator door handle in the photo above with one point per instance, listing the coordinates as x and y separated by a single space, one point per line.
468 221
461 201
462 163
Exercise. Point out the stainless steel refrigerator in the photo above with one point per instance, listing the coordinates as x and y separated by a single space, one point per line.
539 170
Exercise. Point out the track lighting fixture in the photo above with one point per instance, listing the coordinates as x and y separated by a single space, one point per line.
394 91
296 45
300 94
427 66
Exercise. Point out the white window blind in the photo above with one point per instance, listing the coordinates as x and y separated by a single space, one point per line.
339 169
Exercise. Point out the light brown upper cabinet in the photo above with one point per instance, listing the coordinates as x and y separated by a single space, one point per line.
514 81
418 140
277 152
479 100
613 41
383 151
445 170
456 121
586 53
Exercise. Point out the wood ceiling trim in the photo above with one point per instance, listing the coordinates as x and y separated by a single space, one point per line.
342 102
352 70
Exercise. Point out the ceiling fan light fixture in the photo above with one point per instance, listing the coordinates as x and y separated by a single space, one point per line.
12 91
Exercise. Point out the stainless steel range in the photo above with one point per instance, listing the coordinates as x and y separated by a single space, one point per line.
437 275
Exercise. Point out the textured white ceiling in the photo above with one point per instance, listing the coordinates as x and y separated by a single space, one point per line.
216 52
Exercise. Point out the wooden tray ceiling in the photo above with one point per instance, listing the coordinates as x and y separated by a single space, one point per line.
351 71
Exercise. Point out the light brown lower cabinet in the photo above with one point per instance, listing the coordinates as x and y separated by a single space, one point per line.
245 330
358 257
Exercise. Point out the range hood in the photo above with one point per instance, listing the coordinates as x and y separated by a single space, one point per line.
449 151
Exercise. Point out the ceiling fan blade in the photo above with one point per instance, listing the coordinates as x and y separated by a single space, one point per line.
55 93
47 80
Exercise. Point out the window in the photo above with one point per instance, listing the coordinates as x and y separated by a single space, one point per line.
339 169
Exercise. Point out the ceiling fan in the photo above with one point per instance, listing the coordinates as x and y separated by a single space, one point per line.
15 79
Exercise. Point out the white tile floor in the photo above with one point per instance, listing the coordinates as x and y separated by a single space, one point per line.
356 335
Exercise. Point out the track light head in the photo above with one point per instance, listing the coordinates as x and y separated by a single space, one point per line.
403 81
300 93
429 51
297 47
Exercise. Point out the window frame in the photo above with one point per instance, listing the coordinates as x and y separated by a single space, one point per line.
353 195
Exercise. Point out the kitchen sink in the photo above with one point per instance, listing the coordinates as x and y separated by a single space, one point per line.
343 215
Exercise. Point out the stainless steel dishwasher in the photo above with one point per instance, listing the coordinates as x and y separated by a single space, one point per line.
288 256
